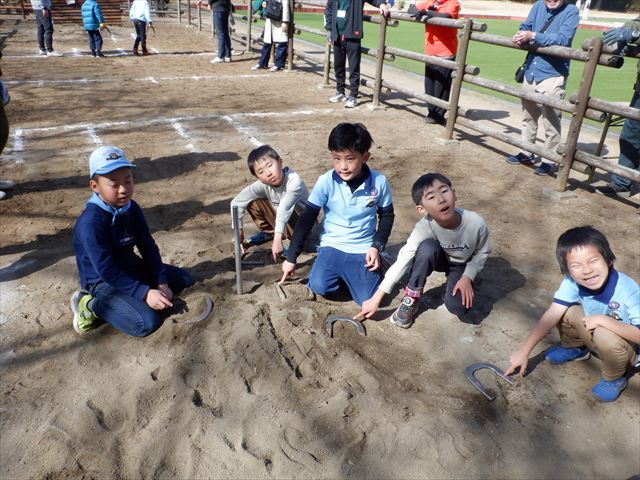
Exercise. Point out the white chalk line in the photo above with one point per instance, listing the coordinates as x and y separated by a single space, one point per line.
94 136
196 78
183 133
243 129
18 147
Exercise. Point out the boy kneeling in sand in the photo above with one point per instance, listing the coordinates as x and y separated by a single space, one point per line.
595 309
119 287
447 239
354 198
274 201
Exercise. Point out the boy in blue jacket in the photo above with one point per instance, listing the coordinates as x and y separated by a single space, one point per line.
119 287
92 22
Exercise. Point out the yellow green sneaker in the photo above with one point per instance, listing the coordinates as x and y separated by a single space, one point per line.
84 320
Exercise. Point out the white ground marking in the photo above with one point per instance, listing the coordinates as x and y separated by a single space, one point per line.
42 83
76 52
243 129
155 50
94 136
18 147
182 132
122 53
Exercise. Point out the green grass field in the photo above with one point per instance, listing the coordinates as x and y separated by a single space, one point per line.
496 63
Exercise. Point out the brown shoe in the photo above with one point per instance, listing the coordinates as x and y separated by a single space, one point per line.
146 53
135 52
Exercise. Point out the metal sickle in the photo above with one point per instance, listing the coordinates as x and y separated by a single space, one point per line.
470 374
337 318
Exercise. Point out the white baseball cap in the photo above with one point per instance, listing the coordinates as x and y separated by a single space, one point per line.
107 159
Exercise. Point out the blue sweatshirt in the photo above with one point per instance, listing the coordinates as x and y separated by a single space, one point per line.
104 249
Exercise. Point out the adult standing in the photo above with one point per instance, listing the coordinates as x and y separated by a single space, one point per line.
220 11
625 37
550 22
343 22
438 42
44 25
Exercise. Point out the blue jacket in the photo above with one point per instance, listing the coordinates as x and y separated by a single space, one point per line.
559 32
104 250
91 15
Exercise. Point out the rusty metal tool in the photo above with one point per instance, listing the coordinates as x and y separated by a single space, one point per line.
356 322
470 374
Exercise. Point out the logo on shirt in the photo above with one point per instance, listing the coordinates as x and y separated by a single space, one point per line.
613 305
455 246
373 197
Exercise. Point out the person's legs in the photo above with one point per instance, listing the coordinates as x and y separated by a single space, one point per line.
629 148
352 48
264 55
339 65
552 118
325 273
616 353
177 278
281 54
263 214
362 283
437 83
98 42
48 32
454 302
40 26
143 36
92 41
221 26
139 25
429 257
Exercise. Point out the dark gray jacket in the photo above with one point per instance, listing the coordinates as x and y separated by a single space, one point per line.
353 28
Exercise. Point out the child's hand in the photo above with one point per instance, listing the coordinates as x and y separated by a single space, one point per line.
242 249
594 321
369 307
276 247
372 259
465 288
288 269
164 288
285 27
157 300
520 360
103 26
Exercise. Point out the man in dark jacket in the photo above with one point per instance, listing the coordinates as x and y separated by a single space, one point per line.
343 22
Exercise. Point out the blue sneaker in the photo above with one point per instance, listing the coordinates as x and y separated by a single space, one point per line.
522 159
606 391
260 238
559 355
545 169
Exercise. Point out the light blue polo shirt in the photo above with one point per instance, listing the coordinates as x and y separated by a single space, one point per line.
350 219
619 298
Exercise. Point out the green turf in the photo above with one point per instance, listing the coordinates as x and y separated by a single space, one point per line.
495 62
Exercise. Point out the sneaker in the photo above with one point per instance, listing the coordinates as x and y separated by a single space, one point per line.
545 169
227 59
338 97
430 120
217 60
146 53
257 66
260 238
609 191
352 102
403 316
53 53
99 54
275 69
7 184
135 52
43 53
606 391
2 194
559 355
523 159
84 320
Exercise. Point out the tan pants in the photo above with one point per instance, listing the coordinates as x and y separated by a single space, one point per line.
551 118
264 216
616 353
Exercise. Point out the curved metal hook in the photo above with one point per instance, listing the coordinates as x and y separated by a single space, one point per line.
337 318
472 369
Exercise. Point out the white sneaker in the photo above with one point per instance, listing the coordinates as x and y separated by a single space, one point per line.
275 69
227 59
352 102
338 97
257 67
53 53
43 53
2 194
217 60
7 184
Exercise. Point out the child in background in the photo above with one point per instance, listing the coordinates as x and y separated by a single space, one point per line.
273 201
140 15
119 287
447 239
354 198
92 22
275 32
596 309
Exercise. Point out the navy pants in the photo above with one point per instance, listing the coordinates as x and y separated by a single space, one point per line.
141 35
129 314
332 266
95 41
629 148
221 24
281 54
44 26
343 51
429 258
437 83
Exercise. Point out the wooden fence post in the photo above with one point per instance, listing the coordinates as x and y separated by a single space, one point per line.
249 18
199 16
456 86
179 4
578 115
189 12
327 62
382 36
290 31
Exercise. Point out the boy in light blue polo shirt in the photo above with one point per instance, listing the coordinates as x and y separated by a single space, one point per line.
596 309
358 216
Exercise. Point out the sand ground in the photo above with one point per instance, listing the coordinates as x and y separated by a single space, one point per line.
257 390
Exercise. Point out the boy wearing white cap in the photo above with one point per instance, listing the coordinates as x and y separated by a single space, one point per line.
119 287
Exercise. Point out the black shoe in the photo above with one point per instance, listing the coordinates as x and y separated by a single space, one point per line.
99 54
403 316
135 52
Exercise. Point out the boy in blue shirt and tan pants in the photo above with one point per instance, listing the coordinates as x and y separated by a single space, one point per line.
119 287
358 216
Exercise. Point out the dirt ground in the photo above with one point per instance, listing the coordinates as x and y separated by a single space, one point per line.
257 390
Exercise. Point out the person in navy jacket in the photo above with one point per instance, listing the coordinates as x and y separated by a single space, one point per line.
119 287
